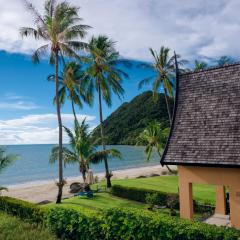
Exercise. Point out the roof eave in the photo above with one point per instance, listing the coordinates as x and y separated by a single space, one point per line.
202 164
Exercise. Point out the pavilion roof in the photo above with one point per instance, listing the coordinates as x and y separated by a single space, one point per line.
206 122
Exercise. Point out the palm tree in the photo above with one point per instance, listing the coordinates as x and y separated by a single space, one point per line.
5 161
200 65
72 86
60 27
224 60
83 151
164 68
105 77
154 136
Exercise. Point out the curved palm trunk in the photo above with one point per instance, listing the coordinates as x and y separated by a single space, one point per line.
60 160
83 172
108 176
74 112
83 169
168 168
168 107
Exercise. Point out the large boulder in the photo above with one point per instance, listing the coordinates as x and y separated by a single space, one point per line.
77 187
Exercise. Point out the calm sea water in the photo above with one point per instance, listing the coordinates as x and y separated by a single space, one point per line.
33 164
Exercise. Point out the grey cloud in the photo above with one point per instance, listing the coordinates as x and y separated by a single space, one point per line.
192 28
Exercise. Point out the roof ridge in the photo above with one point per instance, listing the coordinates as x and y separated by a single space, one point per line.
211 68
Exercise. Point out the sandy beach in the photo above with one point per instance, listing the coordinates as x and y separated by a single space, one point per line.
46 191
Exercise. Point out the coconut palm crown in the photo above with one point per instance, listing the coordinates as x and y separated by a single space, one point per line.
82 150
154 136
61 30
164 69
72 86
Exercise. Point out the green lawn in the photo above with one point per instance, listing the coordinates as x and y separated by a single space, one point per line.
105 200
12 228
203 193
99 201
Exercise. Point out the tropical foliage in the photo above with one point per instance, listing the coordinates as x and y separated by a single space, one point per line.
5 161
105 77
72 87
82 151
60 28
125 124
224 60
164 69
200 65
155 137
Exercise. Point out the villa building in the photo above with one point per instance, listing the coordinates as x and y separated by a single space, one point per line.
205 137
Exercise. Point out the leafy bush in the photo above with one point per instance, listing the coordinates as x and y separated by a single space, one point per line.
139 194
171 200
22 209
114 224
131 224
151 199
70 224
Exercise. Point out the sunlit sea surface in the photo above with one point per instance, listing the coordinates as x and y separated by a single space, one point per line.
33 164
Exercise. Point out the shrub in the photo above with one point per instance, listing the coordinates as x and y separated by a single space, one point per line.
135 224
131 224
171 200
70 224
151 199
139 194
22 209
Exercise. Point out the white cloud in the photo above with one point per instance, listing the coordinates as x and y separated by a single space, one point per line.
20 105
12 101
192 28
36 129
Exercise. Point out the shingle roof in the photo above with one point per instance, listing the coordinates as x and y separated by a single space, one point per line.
206 123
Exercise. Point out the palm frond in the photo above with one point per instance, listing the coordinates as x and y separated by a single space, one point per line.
6 159
39 52
99 156
144 81
37 17
27 31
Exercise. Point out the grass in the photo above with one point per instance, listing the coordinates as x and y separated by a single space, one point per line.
12 228
202 193
104 200
99 201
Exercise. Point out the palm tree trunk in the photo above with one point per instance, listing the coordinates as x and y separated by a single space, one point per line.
168 107
168 168
84 176
82 170
60 162
108 176
74 112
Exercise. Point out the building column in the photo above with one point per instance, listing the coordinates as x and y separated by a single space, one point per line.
220 200
186 200
234 193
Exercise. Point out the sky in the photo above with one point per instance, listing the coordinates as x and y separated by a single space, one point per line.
196 29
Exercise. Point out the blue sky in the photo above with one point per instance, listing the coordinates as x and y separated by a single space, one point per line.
27 114
195 29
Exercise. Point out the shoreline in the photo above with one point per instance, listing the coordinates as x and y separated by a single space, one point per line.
46 190
72 178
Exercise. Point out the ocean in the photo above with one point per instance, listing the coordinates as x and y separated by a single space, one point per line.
33 164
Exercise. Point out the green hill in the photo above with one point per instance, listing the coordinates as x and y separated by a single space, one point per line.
124 125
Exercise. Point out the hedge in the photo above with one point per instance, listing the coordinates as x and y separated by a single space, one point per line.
115 224
22 209
132 224
171 200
